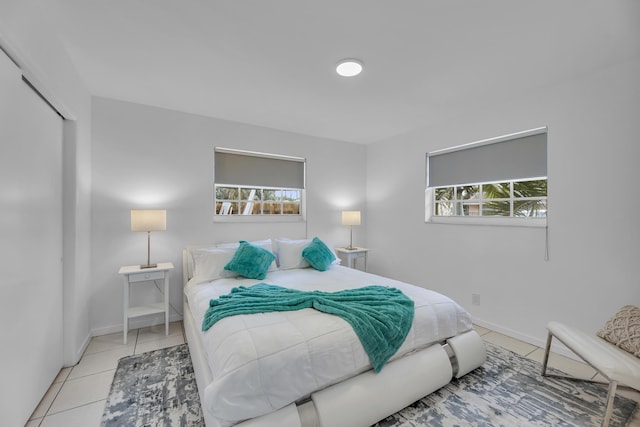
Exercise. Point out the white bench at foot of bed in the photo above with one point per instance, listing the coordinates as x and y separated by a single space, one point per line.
613 363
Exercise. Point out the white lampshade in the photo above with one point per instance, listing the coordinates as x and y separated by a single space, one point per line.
148 220
350 217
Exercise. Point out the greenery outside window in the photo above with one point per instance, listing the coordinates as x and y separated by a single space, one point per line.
518 198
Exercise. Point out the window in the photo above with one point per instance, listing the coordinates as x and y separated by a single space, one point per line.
249 184
522 199
503 177
257 201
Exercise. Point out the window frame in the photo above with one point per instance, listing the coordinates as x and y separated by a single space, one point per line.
494 219
430 202
273 218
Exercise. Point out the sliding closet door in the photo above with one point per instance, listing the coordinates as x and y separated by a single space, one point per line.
30 246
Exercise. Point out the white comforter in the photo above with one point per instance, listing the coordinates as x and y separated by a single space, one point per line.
263 362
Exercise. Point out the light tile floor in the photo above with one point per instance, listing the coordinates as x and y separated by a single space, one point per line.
78 395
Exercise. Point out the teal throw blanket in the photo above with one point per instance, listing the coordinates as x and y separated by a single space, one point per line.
380 316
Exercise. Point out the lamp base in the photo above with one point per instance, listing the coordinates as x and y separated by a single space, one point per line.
351 248
148 266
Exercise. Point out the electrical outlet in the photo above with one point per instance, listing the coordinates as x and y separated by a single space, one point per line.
475 299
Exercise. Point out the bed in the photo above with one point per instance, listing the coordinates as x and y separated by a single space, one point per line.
306 368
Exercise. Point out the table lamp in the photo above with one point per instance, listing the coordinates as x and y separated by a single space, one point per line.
148 220
350 218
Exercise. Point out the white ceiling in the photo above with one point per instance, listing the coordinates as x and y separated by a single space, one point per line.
271 62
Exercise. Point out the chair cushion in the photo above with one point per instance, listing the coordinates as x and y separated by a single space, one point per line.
623 329
609 360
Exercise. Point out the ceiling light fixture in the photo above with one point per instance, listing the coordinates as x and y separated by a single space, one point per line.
349 67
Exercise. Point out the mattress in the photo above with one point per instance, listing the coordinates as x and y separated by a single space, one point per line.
263 362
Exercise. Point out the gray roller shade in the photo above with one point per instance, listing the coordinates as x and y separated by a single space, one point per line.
505 159
254 169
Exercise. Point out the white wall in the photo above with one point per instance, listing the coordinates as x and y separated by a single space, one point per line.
594 232
27 36
146 157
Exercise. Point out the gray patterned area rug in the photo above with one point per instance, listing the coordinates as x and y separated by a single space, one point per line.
158 389
508 390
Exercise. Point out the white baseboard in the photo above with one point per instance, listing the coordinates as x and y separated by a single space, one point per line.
556 346
135 324
78 353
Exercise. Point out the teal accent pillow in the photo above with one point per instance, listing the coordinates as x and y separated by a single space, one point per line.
318 255
250 261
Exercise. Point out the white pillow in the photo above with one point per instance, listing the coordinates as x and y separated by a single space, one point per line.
209 264
266 244
289 253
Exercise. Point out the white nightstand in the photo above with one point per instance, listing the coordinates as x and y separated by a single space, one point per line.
134 274
349 257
